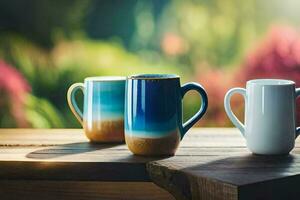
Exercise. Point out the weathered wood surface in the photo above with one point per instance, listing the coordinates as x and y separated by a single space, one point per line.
65 155
210 164
62 164
83 190
215 164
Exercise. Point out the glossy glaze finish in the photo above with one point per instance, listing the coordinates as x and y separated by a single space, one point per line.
105 100
153 113
103 108
269 115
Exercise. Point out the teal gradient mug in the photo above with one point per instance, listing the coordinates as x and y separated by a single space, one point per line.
103 107
153 113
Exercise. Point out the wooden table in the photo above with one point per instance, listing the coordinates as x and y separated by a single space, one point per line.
210 164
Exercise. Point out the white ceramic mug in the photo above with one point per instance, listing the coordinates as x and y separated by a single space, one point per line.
269 115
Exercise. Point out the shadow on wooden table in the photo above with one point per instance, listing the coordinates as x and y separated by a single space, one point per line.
265 177
116 152
247 169
68 149
256 177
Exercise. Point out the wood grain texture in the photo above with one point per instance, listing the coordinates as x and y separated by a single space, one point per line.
83 190
228 171
211 163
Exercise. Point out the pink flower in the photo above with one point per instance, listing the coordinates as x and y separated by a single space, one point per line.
276 56
13 90
216 83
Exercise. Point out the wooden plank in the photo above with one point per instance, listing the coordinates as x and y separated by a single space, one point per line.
276 189
76 171
39 155
70 190
211 163
196 137
185 186
228 177
47 137
41 137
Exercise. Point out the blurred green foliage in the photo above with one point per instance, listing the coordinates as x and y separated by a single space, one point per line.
41 114
50 73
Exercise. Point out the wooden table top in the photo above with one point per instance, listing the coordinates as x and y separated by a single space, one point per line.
211 163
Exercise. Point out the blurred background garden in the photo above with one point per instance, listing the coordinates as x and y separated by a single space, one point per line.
46 45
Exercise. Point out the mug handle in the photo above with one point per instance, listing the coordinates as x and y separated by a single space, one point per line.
298 128
197 87
72 101
236 122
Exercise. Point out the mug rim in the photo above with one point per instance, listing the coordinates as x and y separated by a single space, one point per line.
271 82
153 76
105 78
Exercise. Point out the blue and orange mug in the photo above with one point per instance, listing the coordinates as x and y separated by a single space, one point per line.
153 113
103 107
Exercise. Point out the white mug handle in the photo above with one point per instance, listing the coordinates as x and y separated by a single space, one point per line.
236 122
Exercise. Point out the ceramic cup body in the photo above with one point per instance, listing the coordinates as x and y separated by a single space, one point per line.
103 108
269 115
153 113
